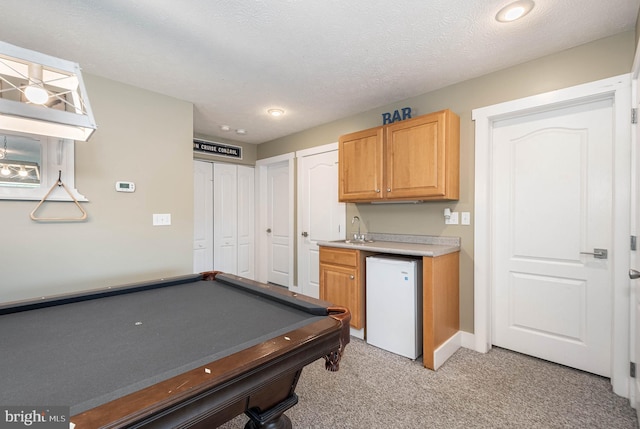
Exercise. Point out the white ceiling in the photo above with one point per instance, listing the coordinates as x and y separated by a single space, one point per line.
319 60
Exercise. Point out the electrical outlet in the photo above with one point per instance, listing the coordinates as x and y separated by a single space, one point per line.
453 219
466 218
161 219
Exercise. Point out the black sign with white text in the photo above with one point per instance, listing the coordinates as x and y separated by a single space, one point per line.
218 149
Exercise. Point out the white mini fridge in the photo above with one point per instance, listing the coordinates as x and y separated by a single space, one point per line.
394 304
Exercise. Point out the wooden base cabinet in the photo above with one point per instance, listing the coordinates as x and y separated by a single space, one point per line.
342 280
440 301
416 159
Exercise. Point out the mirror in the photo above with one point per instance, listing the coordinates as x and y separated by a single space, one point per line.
31 165
20 161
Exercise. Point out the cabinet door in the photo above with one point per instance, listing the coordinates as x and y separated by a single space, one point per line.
340 286
415 163
360 166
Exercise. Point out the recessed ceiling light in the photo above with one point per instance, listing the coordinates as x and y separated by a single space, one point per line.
225 127
275 112
515 10
241 131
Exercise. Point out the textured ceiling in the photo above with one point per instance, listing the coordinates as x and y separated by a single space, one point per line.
319 60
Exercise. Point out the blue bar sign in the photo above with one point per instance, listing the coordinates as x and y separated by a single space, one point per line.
397 115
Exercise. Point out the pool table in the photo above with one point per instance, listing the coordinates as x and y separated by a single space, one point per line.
188 351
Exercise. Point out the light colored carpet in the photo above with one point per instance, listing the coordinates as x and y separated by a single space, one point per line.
500 389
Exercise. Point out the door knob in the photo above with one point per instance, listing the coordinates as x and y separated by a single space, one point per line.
634 274
268 230
305 234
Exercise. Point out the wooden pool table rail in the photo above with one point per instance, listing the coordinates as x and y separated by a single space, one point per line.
260 379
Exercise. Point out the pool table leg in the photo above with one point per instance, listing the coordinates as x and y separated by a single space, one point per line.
274 417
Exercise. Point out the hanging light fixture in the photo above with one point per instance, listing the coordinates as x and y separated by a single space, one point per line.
43 95
4 169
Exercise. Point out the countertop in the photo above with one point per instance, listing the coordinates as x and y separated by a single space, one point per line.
401 244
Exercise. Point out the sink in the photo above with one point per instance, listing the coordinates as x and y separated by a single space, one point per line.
352 241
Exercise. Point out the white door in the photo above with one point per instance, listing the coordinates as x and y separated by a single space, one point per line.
203 216
245 214
278 224
616 88
275 221
552 187
320 215
635 258
225 218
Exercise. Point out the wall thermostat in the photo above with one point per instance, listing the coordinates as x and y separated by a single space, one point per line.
125 186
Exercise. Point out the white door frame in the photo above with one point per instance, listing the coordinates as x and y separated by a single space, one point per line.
620 89
634 260
261 215
634 396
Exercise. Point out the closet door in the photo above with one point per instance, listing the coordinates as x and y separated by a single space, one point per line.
202 216
245 219
225 218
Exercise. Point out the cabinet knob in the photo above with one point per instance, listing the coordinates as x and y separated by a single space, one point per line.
378 191
388 189
352 277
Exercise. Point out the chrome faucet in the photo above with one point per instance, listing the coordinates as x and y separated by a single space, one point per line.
357 236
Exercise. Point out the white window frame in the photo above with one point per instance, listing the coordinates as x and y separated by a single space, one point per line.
57 162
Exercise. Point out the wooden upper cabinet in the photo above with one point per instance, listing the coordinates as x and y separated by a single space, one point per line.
422 157
360 160
420 160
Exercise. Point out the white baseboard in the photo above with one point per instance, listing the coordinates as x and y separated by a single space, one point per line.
468 340
446 350
357 333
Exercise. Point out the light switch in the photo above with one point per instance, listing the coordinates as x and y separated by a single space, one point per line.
161 219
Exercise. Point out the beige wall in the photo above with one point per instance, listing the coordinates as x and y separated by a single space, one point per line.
597 60
637 28
142 137
146 138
